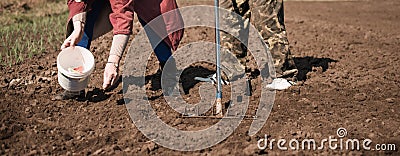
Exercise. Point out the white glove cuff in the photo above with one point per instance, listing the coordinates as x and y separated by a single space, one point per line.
80 17
79 20
119 44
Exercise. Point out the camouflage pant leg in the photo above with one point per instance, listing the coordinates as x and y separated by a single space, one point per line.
237 27
268 18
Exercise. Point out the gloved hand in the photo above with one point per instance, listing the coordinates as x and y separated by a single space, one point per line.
76 35
111 70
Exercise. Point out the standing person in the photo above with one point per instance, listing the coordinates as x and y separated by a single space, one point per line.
89 19
268 18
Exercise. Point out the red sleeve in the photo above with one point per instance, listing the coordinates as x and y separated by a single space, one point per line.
121 17
76 7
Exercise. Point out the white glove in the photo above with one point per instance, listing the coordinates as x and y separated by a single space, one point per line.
79 24
111 70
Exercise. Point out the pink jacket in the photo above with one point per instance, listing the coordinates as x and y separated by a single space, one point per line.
120 15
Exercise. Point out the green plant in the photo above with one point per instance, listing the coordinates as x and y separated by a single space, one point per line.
27 34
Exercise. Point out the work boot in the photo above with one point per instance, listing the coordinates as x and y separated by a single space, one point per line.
287 73
288 70
231 66
66 95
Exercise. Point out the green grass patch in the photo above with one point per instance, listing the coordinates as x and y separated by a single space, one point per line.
28 33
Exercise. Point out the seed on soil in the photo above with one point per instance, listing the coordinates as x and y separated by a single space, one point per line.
44 79
127 149
53 73
305 100
371 135
224 152
360 97
116 148
91 133
33 152
27 109
98 152
390 100
14 82
47 73
177 122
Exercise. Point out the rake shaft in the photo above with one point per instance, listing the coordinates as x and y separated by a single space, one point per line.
218 109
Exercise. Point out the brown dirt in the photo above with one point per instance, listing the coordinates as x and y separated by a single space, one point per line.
347 53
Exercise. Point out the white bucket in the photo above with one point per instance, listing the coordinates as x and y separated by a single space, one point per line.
71 58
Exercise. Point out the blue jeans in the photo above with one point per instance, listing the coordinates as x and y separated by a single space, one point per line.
162 50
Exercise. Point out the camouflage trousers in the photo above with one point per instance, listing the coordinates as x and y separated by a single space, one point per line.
267 16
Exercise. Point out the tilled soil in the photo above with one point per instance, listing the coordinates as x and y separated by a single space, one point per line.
347 56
